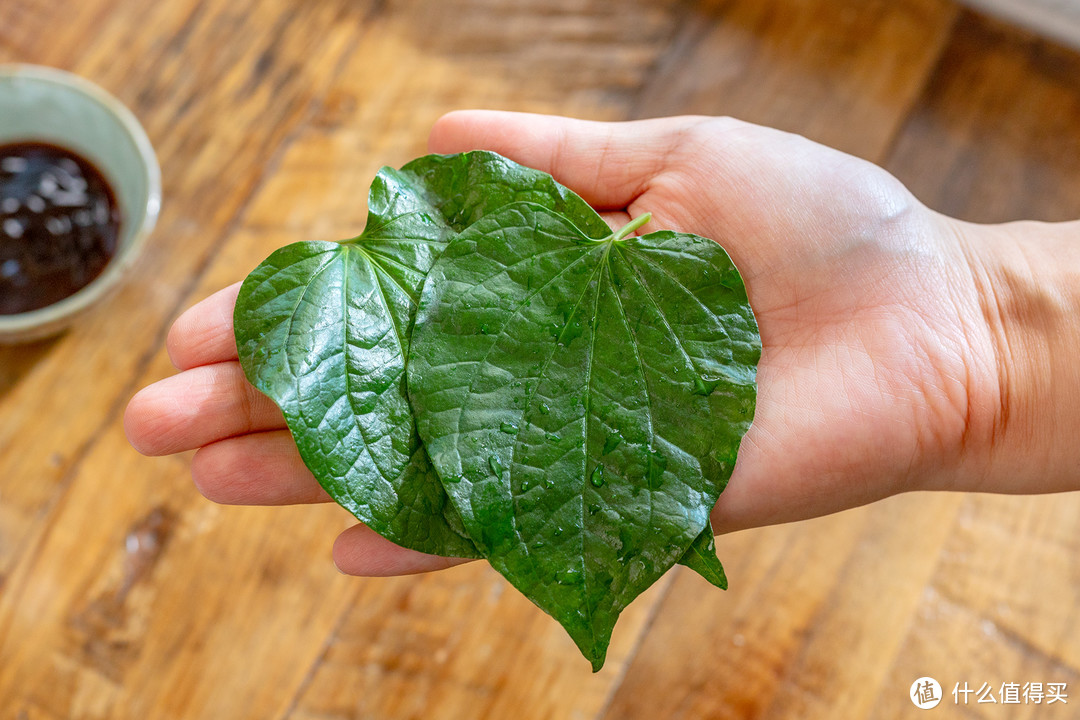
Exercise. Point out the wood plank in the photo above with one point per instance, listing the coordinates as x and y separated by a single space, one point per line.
462 643
997 135
255 111
841 73
72 636
1001 607
572 58
176 607
49 32
805 628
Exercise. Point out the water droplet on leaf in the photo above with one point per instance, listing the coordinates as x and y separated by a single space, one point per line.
571 331
597 477
495 465
509 428
569 576
704 387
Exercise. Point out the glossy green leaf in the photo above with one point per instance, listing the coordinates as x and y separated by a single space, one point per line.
467 186
323 328
701 558
583 402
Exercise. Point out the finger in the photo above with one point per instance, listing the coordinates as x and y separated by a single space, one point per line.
616 219
203 334
361 551
255 469
608 164
197 407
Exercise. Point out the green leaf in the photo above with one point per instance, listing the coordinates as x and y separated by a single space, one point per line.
701 558
583 402
323 329
468 186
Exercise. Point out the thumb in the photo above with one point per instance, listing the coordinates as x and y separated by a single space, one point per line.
608 164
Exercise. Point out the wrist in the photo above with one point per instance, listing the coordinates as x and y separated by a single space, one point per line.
1027 280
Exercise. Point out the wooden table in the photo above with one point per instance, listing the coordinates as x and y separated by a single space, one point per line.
125 594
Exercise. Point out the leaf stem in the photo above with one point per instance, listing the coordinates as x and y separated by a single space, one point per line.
630 227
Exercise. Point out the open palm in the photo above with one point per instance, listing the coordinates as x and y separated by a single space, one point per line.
874 368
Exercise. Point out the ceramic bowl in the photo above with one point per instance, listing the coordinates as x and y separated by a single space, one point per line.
40 104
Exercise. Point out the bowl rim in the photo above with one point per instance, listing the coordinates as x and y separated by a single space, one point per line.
52 318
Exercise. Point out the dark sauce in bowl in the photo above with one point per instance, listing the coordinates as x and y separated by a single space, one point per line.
59 225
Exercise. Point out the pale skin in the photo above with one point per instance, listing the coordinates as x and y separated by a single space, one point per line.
903 349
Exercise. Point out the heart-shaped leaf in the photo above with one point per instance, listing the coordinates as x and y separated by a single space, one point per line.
323 329
583 402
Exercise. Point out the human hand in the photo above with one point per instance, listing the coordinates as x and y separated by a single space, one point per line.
880 372
877 365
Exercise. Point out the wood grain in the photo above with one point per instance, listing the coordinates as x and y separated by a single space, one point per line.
125 594
841 73
994 138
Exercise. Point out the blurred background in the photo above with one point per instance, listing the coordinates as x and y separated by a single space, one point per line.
125 594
